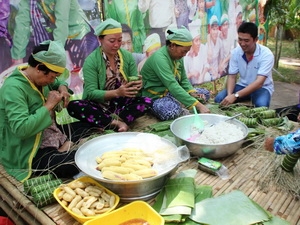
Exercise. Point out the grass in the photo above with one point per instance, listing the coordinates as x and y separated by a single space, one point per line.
289 48
285 72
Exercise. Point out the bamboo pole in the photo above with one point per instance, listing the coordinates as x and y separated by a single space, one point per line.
11 213
27 205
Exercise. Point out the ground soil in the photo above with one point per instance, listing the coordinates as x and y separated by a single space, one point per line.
286 94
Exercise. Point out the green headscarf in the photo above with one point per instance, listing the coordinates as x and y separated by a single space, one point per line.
54 58
181 36
108 26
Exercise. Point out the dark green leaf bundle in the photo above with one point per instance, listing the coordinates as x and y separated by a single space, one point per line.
44 198
249 122
271 122
37 181
41 189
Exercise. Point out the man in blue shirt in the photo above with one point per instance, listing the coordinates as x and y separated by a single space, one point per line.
253 62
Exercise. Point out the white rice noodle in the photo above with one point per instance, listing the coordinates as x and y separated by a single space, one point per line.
221 133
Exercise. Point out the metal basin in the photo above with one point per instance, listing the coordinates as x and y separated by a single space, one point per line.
181 128
128 191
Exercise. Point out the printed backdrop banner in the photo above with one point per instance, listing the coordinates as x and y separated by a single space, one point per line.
212 23
26 23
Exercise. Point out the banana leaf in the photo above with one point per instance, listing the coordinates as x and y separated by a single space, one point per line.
201 192
177 197
286 125
179 194
180 190
232 208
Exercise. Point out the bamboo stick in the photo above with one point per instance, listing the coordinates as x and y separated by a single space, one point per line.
279 201
285 205
25 202
295 204
272 196
11 213
260 198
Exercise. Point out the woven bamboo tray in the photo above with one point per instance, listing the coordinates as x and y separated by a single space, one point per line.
246 169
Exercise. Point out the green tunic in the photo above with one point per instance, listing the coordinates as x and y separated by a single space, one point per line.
160 76
22 121
94 73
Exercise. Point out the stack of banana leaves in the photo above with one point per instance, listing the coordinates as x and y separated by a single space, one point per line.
256 119
161 129
182 202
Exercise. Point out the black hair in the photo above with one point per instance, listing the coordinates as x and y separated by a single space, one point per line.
126 29
248 28
168 42
33 63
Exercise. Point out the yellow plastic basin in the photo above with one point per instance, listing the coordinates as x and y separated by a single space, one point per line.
134 210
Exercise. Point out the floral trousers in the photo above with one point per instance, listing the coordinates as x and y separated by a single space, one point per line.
128 109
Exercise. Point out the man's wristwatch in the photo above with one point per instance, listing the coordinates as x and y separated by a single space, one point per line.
236 94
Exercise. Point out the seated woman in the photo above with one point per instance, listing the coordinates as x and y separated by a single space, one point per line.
30 141
165 80
107 87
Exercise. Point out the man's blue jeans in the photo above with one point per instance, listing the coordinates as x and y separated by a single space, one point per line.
260 97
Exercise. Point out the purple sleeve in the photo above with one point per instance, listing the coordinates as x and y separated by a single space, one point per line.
4 16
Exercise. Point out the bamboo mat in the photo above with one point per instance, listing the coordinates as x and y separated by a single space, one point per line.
16 205
246 169
244 173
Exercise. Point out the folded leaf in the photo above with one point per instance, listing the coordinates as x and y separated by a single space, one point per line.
180 190
179 194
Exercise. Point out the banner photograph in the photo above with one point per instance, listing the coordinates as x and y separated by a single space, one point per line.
212 23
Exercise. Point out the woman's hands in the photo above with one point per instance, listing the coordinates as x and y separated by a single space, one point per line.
130 89
63 90
198 96
202 108
54 97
